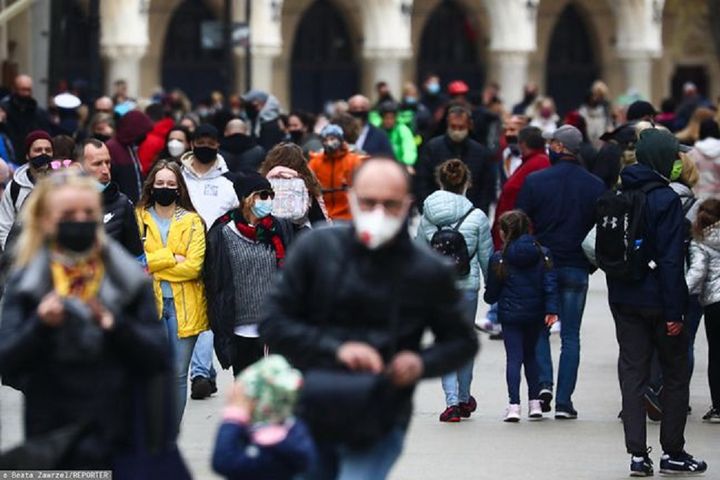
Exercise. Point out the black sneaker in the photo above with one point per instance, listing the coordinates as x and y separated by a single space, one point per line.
545 398
213 386
652 405
712 416
681 464
641 465
200 388
565 413
496 336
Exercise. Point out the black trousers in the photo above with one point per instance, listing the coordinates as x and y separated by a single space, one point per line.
639 333
247 351
712 331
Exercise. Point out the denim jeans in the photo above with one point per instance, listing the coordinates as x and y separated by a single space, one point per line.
342 463
181 351
456 385
520 343
572 291
201 364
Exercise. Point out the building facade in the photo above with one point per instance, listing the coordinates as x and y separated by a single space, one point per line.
310 51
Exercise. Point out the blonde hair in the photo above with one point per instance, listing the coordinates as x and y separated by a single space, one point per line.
32 238
689 175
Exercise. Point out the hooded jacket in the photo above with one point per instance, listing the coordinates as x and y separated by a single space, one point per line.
154 143
8 208
706 155
265 127
241 153
119 220
335 177
24 116
126 168
703 277
445 209
403 144
212 194
528 290
663 288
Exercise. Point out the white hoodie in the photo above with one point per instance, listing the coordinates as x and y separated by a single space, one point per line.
8 210
706 155
212 194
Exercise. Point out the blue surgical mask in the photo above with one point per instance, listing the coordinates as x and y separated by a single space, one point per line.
262 208
433 88
101 186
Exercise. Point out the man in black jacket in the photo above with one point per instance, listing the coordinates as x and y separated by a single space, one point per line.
372 140
456 144
239 149
361 298
119 219
23 115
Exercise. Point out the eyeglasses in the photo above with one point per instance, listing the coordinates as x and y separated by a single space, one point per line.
265 194
58 164
391 206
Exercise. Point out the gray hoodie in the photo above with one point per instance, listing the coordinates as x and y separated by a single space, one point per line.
9 209
703 277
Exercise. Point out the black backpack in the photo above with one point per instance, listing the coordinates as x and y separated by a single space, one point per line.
451 243
620 232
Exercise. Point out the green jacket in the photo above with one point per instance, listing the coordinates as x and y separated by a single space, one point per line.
403 143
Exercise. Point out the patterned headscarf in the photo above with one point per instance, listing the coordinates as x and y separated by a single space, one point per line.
273 385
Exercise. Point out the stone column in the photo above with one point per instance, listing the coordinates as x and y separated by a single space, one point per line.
638 72
263 61
385 65
124 41
511 72
123 63
40 50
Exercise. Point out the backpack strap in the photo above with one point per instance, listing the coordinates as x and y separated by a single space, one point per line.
649 187
463 218
14 193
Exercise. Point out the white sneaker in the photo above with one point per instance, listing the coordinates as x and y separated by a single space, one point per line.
512 414
555 328
484 325
535 410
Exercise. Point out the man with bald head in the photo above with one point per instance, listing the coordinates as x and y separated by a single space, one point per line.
359 298
104 105
240 149
372 140
23 115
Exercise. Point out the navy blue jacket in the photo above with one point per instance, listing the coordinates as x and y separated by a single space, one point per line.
237 457
528 289
664 287
560 202
377 143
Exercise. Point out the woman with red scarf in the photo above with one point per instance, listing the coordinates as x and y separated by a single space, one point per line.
245 248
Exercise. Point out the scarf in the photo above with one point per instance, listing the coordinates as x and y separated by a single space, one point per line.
81 280
265 232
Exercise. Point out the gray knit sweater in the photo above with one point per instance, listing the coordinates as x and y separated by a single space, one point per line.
253 268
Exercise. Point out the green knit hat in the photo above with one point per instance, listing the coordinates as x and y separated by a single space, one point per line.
657 149
273 385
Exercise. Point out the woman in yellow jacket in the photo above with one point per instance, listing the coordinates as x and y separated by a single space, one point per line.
174 240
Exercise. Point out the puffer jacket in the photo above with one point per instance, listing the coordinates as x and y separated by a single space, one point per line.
186 237
445 209
703 277
528 290
335 177
706 155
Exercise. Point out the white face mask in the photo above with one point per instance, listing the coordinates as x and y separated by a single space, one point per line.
176 147
374 228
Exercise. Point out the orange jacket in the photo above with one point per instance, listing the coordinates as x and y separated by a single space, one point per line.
335 176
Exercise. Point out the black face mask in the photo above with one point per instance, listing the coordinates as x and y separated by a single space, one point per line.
78 237
296 136
362 115
164 196
205 154
511 139
40 161
251 111
101 137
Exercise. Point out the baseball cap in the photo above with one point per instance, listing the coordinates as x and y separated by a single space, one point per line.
639 109
206 130
568 136
458 87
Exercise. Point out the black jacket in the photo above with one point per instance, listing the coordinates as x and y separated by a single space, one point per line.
22 118
377 143
334 290
219 286
473 154
120 222
66 378
241 153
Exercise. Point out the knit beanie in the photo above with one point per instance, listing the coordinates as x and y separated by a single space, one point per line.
36 135
273 385
247 183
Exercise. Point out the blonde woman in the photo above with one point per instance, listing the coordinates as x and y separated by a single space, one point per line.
174 240
79 327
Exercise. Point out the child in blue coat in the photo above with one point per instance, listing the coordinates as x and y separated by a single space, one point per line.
523 283
259 438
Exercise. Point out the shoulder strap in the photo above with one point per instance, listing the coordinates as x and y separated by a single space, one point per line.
462 220
14 193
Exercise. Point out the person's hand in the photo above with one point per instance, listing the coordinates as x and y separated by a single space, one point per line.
102 315
550 319
237 398
405 369
51 310
674 328
360 356
179 258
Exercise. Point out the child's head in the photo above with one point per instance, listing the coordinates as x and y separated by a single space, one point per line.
513 224
273 385
708 214
453 176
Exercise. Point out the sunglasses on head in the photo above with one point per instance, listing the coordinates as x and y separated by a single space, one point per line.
58 164
265 194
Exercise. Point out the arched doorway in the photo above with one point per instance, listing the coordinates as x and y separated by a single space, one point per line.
323 65
187 64
571 63
449 46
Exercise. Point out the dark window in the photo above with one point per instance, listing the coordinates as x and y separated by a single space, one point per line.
571 64
323 64
70 36
448 47
696 74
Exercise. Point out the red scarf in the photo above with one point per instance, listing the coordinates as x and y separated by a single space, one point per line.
265 231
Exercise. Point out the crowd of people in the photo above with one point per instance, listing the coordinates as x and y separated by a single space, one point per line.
310 252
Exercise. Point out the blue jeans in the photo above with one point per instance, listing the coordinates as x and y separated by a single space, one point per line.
181 349
342 463
572 291
456 385
520 343
201 364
